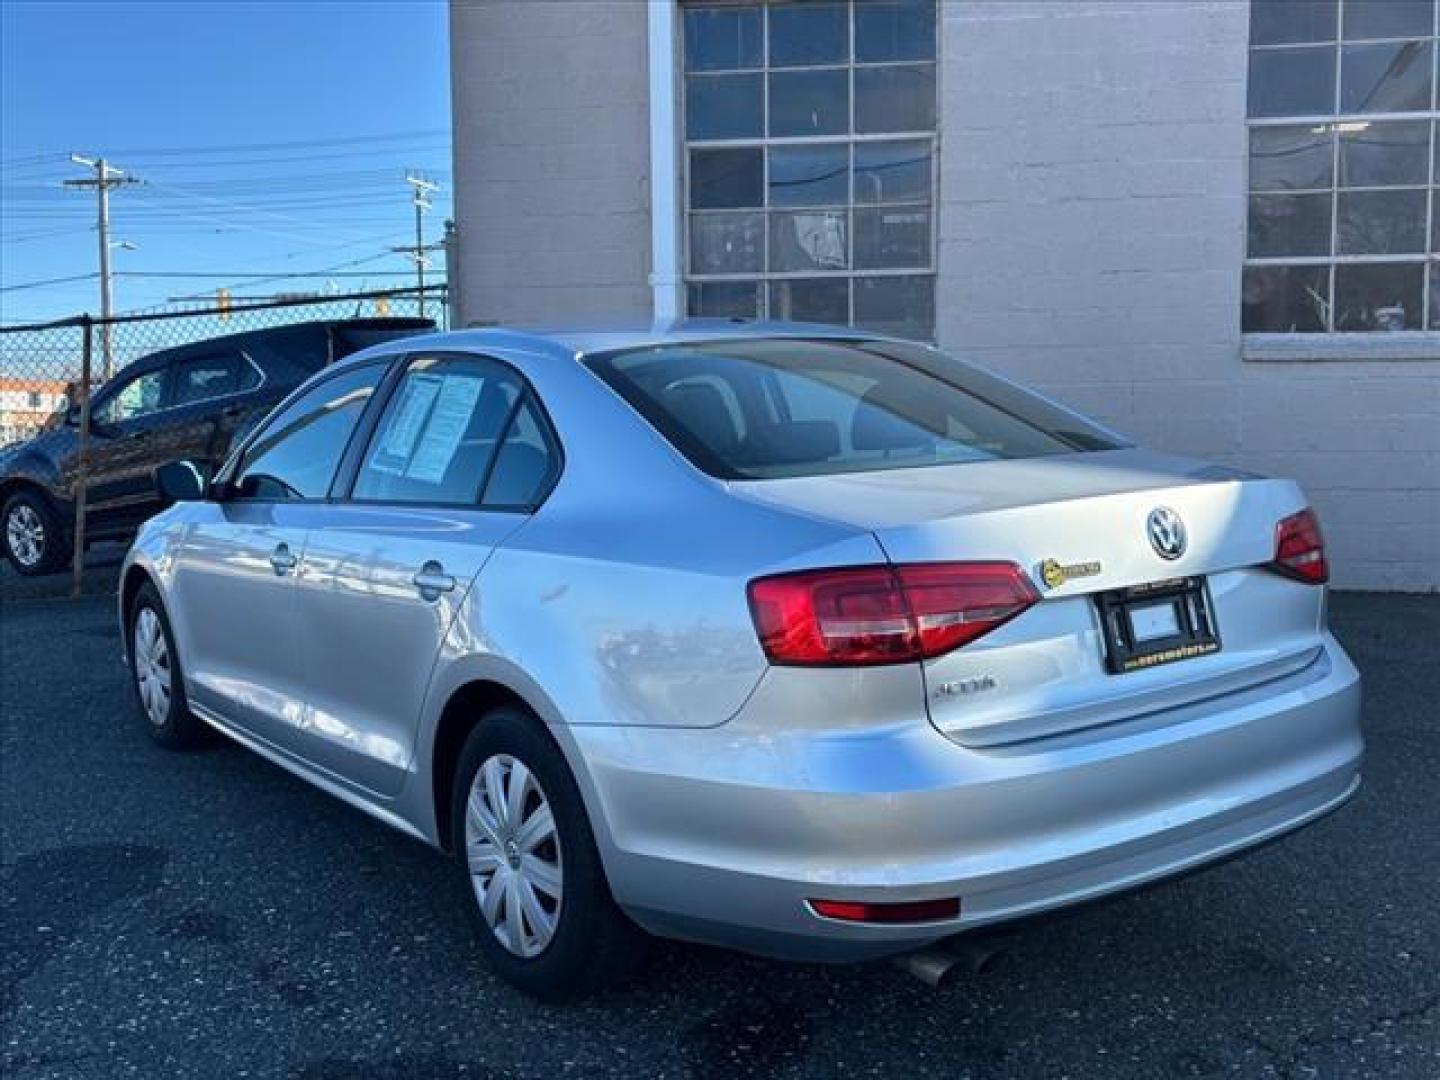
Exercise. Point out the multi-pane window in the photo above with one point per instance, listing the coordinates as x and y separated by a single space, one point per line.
1343 231
810 162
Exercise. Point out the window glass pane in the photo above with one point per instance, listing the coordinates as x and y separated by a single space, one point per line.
138 397
892 172
1292 82
1285 299
1289 225
1388 18
810 103
823 300
727 243
899 98
892 237
525 463
438 434
1380 222
1287 22
205 378
810 175
894 30
903 306
814 240
1435 294
298 450
1288 158
1435 221
809 33
721 38
724 300
1393 77
722 179
1386 296
724 106
1385 155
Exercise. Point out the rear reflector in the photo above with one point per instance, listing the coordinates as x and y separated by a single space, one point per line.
884 614
1300 548
904 912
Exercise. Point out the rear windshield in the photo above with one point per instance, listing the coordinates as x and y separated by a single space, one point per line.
765 408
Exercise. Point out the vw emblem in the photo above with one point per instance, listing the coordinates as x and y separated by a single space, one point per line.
1167 532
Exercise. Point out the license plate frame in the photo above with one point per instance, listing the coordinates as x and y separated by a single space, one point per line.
1194 616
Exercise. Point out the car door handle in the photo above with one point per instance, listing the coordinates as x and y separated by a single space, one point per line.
136 436
432 580
282 561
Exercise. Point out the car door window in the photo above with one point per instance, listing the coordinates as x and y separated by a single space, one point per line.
137 397
528 460
439 433
297 452
208 377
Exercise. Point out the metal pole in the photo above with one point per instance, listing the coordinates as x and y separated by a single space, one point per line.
105 294
77 566
420 251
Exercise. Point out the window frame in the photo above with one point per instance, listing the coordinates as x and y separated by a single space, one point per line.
353 461
765 277
1338 124
177 369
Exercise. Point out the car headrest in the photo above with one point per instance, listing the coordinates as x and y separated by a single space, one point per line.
701 408
875 427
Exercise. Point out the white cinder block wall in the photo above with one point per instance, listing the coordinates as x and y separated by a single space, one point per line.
551 152
1092 232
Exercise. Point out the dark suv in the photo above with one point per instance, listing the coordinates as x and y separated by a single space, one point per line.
184 403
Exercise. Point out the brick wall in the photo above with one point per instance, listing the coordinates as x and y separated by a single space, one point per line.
1092 230
551 148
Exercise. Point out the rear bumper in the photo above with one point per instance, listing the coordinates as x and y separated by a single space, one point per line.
722 834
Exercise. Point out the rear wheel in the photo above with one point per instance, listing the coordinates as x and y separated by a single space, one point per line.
155 674
542 909
31 533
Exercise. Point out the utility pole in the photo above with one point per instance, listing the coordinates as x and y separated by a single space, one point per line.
421 190
105 178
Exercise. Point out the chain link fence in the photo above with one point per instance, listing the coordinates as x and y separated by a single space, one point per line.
49 371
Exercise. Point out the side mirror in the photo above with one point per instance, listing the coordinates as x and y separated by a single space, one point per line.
182 481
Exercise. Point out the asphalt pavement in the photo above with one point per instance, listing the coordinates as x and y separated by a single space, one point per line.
207 915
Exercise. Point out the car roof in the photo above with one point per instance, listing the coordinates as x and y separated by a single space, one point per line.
599 337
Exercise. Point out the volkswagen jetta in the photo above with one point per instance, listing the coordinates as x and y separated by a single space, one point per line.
794 640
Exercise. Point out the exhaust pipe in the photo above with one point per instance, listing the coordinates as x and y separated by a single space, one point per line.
937 965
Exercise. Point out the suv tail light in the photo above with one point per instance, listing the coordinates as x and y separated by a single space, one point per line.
884 614
1300 548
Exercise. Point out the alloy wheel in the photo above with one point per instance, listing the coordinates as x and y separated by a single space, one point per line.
25 535
152 666
513 852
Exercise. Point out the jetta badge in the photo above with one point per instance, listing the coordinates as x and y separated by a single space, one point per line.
1167 532
1055 574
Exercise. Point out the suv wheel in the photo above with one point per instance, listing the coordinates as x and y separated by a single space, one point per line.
31 533
542 909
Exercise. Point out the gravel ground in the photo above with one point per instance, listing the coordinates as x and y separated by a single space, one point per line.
207 915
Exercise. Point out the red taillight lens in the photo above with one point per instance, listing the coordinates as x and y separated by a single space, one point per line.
1300 548
905 911
884 614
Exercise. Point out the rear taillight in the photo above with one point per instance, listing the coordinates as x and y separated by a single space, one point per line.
884 614
1300 548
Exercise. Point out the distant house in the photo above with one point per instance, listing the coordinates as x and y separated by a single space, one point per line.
1214 225
26 404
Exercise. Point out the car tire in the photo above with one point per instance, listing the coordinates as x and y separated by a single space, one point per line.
155 677
590 943
32 536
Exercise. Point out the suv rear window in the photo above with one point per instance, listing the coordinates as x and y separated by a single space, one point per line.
765 408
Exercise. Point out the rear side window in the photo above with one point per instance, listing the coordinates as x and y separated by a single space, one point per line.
527 461
440 432
770 408
298 450
215 376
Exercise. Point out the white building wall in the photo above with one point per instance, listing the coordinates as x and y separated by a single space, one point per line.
551 145
1092 232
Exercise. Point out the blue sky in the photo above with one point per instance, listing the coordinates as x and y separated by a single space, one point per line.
273 136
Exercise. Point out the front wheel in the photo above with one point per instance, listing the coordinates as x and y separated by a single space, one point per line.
155 674
543 911
31 533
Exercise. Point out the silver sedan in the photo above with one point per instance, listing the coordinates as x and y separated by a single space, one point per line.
794 640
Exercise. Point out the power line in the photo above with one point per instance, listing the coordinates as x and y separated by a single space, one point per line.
49 281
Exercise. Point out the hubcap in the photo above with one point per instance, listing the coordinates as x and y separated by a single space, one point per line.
152 666
514 855
25 534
